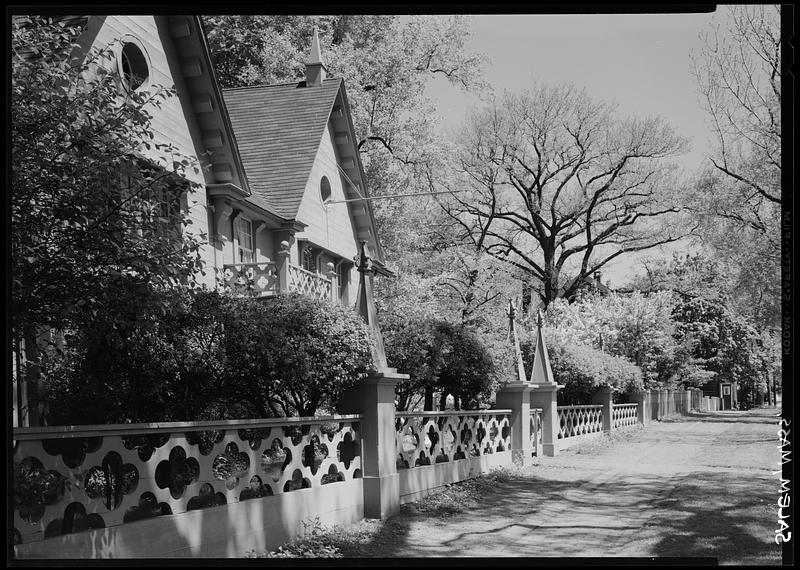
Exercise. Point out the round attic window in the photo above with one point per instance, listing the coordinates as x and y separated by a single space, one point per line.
325 189
133 66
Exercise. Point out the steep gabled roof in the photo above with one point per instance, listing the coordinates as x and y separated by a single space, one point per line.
279 129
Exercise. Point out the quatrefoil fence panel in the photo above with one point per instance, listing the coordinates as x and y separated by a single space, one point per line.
425 438
67 480
579 420
250 280
624 415
309 283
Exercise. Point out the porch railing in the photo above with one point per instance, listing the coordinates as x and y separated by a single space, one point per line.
264 280
308 283
251 279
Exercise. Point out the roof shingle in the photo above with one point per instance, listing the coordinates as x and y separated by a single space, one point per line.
278 129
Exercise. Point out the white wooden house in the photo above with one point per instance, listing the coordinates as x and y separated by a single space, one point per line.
276 162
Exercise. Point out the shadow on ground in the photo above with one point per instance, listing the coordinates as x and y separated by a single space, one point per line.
724 515
719 514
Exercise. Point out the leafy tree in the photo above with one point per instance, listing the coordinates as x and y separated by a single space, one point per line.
96 230
558 186
701 277
726 345
440 357
638 327
582 370
468 370
412 346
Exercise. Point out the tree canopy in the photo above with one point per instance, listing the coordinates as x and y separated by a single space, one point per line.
558 185
737 196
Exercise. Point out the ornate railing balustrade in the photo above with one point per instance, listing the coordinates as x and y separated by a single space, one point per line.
309 283
624 415
76 478
425 438
264 279
250 279
579 420
536 430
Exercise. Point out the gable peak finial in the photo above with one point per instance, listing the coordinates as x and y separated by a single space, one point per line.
315 68
315 56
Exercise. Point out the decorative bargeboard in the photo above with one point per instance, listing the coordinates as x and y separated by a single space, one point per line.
73 479
579 420
624 415
425 438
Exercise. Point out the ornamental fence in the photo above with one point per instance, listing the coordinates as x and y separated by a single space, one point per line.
576 421
624 415
220 489
103 477
439 448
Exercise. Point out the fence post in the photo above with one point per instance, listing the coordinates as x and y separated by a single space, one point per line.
642 406
544 396
604 397
374 398
516 396
544 393
655 405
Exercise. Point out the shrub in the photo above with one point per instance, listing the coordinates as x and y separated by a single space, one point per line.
311 352
212 357
582 370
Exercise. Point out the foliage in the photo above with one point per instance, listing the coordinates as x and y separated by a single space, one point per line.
34 487
439 357
311 350
90 219
387 63
217 357
315 542
557 185
726 345
636 326
582 370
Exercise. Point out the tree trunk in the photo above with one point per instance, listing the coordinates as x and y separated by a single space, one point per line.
428 407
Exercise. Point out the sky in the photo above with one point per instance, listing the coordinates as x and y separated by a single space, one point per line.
641 62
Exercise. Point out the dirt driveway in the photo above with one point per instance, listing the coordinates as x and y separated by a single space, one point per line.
699 486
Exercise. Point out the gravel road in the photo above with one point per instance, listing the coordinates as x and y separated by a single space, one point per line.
696 486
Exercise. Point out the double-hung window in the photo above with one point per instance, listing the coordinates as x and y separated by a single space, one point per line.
244 235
